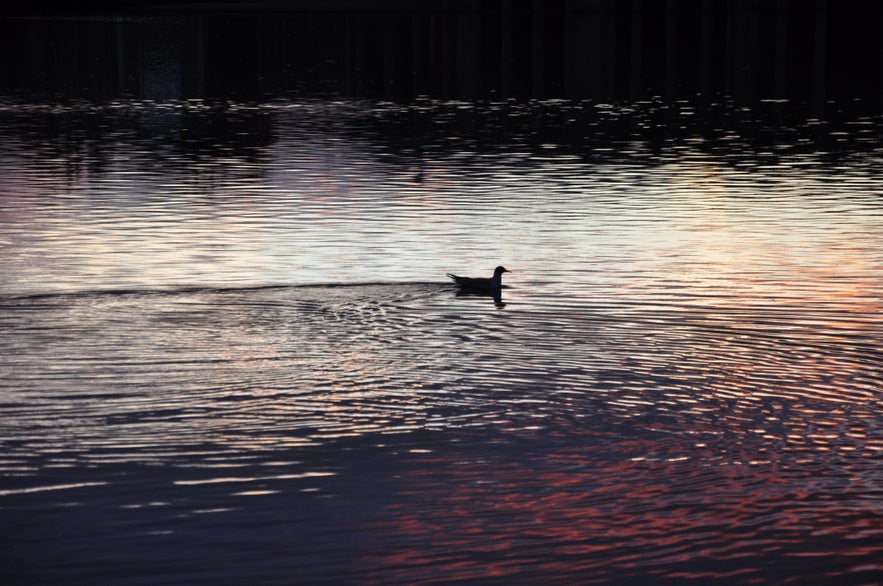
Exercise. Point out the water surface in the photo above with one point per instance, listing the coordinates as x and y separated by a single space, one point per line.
229 351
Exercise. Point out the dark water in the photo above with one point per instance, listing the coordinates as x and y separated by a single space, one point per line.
229 352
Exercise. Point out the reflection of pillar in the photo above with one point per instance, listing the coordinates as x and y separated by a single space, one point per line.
416 55
820 56
780 83
636 50
200 56
671 37
358 58
574 45
706 74
469 54
445 63
121 59
434 82
608 64
159 64
506 48
749 52
741 39
730 63
389 56
538 72
347 56
590 48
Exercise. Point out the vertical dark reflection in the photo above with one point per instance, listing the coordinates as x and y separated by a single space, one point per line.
781 50
820 56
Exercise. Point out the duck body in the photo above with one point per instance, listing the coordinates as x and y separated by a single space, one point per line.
481 283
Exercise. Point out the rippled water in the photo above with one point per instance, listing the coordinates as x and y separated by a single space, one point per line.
229 351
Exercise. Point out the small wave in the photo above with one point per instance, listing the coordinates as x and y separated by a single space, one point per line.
196 289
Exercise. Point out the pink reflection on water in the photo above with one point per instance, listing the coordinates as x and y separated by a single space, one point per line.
600 514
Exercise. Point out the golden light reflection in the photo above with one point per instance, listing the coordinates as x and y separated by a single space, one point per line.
798 248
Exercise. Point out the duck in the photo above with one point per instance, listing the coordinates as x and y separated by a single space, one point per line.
481 283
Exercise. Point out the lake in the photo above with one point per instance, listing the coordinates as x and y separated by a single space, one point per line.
229 350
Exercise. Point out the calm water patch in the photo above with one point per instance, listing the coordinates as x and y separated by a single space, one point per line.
229 350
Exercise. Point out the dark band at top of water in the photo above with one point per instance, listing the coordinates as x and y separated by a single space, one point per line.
805 52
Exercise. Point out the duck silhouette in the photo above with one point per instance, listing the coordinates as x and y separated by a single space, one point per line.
481 284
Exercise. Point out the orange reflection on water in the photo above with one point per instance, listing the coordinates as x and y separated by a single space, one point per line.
586 516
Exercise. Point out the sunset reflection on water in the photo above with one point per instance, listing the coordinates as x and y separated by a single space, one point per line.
599 514
240 345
